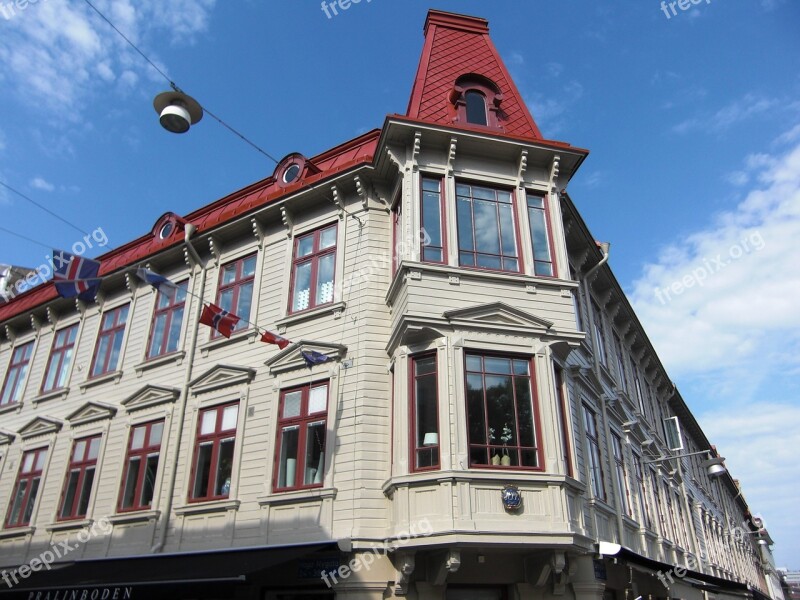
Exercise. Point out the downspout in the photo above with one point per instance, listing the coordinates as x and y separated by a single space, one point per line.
184 399
605 248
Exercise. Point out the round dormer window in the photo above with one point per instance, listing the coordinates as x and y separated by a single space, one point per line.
291 173
166 230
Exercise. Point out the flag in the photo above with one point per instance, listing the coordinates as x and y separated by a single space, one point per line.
75 276
219 319
312 357
274 338
154 279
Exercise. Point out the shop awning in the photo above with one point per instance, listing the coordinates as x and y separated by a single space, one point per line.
189 574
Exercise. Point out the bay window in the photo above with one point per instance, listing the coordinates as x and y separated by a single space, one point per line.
80 477
425 412
540 236
595 457
432 220
313 269
487 234
213 452
501 412
302 427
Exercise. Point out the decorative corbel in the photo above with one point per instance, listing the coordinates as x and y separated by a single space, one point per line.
52 316
338 200
130 282
258 231
288 221
415 150
522 166
36 323
554 170
80 306
558 562
394 159
361 190
450 563
188 258
405 567
604 296
11 334
216 249
451 157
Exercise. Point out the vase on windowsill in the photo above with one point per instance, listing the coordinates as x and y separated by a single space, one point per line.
505 460
496 459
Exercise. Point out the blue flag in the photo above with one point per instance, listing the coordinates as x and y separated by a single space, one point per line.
312 357
75 276
154 279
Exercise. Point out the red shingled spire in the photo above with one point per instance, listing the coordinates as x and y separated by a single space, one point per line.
458 46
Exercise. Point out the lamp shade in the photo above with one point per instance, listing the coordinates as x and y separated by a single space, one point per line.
716 470
430 439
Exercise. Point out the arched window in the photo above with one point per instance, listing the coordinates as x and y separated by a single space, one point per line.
476 100
476 108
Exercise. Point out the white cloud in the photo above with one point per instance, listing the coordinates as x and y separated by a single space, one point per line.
547 109
743 109
554 69
58 54
39 183
725 295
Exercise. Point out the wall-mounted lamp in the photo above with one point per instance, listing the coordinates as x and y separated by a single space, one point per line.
714 466
177 111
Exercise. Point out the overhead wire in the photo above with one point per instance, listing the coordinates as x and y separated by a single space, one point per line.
175 87
44 208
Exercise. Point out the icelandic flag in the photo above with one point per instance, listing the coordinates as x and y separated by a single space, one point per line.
274 338
154 279
312 357
75 275
219 319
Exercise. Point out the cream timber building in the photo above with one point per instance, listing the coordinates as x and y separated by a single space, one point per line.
483 415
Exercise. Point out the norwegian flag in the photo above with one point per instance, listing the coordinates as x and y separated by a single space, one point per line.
274 338
219 319
75 275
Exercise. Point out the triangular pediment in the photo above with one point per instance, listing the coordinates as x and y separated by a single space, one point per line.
496 313
40 426
290 358
91 412
150 395
6 437
222 376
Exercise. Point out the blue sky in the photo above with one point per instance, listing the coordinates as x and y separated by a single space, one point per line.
693 123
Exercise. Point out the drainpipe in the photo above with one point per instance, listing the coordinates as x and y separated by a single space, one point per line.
184 399
605 248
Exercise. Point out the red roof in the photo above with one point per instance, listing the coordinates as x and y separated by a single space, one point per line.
457 45
341 158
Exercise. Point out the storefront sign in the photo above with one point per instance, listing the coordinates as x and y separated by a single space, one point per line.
107 593
312 568
600 570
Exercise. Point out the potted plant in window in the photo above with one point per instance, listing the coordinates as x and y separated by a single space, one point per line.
505 438
495 455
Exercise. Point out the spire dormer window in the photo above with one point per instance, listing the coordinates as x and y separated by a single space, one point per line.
476 100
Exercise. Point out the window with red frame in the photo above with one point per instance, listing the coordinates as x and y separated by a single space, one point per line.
563 410
314 268
80 477
58 364
425 412
23 498
487 234
213 454
501 412
595 457
622 475
109 342
540 236
167 320
397 235
14 384
236 290
432 247
302 425
476 108
141 466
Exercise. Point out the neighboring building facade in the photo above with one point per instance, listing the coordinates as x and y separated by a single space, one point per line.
482 427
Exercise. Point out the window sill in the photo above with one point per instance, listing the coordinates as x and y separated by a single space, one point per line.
58 394
298 496
336 309
69 525
114 376
207 507
14 532
479 476
221 341
11 407
134 517
158 361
